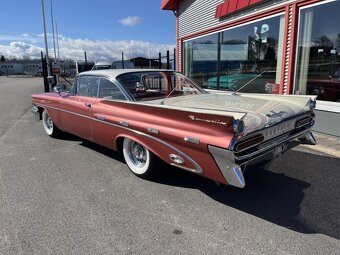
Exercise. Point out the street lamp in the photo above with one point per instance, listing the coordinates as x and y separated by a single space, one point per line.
45 36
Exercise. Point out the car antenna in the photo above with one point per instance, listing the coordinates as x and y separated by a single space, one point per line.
247 83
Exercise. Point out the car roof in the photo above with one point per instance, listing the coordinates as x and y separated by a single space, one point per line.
112 73
103 63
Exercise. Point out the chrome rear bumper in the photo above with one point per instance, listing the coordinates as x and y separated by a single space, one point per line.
232 166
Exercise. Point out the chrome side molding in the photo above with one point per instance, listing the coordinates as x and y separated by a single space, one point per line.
124 123
192 140
153 130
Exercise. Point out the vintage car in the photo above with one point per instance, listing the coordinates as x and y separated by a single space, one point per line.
325 88
251 82
161 116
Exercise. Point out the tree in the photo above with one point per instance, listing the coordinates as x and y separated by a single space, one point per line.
2 59
324 41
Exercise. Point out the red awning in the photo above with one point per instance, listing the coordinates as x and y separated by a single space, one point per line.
170 4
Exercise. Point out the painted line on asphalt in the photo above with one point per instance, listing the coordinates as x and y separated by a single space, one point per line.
326 150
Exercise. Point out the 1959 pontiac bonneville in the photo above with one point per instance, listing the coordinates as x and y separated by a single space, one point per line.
157 116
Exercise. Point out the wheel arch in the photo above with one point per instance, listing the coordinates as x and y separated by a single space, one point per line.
118 143
40 111
161 149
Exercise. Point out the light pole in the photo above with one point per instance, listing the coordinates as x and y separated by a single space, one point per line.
45 36
56 78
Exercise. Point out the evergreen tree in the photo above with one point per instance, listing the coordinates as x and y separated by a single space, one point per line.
2 59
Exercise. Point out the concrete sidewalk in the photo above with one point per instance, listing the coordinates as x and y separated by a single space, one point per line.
326 144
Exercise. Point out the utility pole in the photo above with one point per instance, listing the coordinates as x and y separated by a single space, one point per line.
55 76
45 36
55 53
56 30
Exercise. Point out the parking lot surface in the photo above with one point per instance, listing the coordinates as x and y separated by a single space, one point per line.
70 196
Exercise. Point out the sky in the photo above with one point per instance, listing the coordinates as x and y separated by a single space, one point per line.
102 28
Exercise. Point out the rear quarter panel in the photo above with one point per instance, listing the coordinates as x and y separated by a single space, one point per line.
172 126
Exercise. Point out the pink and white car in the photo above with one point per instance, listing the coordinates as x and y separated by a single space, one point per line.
161 116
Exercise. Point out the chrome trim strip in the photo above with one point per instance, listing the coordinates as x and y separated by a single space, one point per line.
124 123
273 145
35 111
198 169
192 140
153 130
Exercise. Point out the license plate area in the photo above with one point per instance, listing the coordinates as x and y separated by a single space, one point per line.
278 150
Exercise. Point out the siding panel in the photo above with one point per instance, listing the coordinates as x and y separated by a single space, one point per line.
197 15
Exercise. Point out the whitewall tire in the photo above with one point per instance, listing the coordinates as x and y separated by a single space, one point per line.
140 160
48 125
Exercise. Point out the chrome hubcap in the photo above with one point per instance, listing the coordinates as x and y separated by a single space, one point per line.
137 154
48 121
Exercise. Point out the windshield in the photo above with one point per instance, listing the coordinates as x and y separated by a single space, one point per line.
158 85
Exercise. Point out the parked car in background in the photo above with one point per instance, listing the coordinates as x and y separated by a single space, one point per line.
161 116
249 82
101 65
327 88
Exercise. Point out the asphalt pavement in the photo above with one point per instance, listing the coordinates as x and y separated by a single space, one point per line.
70 196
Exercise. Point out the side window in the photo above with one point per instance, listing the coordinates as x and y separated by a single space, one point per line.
87 86
109 90
81 86
73 89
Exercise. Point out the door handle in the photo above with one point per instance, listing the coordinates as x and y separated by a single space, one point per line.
88 105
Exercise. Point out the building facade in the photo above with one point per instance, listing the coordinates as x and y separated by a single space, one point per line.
262 46
21 67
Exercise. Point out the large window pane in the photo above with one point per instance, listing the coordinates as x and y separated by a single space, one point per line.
250 57
318 55
246 58
201 58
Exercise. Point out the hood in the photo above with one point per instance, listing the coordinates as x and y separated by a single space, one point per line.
261 110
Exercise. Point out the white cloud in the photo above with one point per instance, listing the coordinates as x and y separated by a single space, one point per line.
130 21
20 50
72 48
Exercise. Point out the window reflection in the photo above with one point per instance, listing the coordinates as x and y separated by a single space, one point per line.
201 58
318 55
245 59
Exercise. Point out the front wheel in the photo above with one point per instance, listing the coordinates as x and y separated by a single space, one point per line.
140 160
49 126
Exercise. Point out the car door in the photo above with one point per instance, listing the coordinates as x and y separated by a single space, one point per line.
104 114
75 110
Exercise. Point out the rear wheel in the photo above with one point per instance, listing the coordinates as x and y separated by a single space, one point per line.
140 160
49 126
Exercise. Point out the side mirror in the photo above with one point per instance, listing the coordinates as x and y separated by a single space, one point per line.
59 88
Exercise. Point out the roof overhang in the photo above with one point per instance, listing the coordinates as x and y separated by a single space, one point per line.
170 4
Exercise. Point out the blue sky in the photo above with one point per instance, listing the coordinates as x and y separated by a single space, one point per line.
103 28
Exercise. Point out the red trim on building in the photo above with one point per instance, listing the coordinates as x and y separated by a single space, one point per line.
170 4
178 47
230 6
292 47
284 54
242 4
254 2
